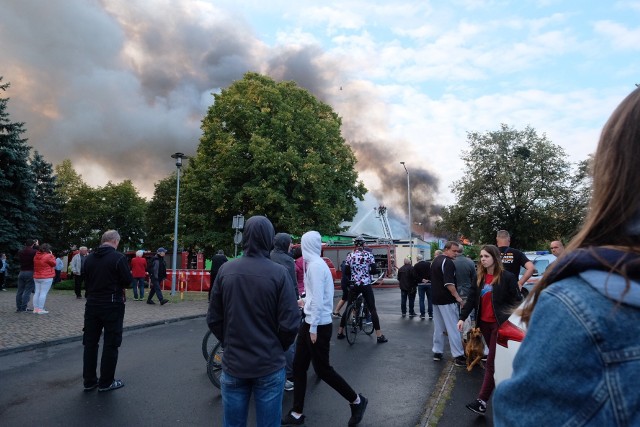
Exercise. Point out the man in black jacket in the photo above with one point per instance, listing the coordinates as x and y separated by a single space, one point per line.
254 314
216 262
157 273
422 269
107 274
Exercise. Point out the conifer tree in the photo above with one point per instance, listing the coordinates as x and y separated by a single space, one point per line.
17 183
48 203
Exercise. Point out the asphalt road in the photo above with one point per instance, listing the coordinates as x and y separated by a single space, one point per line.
167 385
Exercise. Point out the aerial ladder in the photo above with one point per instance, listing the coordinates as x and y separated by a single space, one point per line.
381 214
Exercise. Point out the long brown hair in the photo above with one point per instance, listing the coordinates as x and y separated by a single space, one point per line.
498 268
615 199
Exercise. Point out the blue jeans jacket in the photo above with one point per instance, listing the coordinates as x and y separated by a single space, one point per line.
579 364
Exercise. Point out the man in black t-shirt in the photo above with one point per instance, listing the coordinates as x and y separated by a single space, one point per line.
513 259
446 305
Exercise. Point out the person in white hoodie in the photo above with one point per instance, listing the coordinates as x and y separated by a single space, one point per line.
314 336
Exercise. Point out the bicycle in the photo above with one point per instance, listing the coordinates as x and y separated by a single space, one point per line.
214 365
357 319
208 343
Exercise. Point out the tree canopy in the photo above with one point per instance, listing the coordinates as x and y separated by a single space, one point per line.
519 181
271 149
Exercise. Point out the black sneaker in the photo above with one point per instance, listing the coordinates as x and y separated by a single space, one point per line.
412 315
90 387
290 420
460 361
422 317
164 301
437 357
382 339
404 315
478 407
341 336
116 384
150 302
357 411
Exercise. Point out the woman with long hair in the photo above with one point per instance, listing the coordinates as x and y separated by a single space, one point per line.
43 273
494 297
580 360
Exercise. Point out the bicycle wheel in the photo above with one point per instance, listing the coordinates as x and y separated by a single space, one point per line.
351 326
367 324
214 365
208 343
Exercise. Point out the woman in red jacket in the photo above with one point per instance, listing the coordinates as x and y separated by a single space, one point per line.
43 273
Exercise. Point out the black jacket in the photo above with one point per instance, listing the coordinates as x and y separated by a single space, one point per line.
158 268
216 262
505 296
280 254
422 270
253 309
407 278
107 274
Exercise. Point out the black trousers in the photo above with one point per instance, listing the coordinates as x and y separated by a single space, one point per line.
96 319
369 299
79 279
318 355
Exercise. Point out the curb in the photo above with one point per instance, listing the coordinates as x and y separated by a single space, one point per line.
43 344
441 393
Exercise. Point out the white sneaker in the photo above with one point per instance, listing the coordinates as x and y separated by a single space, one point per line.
36 310
288 385
41 311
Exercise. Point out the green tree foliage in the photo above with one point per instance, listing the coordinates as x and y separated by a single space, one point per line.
271 149
121 208
48 202
160 215
518 181
89 211
17 184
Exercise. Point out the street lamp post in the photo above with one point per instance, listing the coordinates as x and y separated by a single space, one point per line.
409 208
178 157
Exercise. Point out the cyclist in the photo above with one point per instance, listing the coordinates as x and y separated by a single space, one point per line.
360 264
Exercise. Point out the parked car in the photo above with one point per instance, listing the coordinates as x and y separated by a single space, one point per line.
512 332
510 336
541 261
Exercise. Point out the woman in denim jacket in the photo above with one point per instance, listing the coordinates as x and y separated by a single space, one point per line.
579 364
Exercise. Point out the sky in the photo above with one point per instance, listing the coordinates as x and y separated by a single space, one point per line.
117 86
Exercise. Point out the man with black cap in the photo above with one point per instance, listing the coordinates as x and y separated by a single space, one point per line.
157 273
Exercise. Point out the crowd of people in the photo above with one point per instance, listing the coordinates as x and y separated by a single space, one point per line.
587 304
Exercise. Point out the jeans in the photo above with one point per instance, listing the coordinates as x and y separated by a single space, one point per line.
42 289
318 354
412 301
26 285
79 279
96 318
289 356
138 287
422 290
155 290
267 394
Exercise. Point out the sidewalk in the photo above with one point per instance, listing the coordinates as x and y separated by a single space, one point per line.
24 331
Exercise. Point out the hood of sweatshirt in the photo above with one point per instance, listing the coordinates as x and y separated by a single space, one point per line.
281 242
594 266
311 244
257 237
103 250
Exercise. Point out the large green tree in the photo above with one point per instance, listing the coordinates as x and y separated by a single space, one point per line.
160 215
121 208
48 202
271 149
519 181
17 184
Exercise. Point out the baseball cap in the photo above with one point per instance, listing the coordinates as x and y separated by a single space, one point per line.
161 250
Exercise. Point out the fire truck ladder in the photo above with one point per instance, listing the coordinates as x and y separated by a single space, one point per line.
382 215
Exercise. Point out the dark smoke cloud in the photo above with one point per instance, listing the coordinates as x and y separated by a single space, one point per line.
120 86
